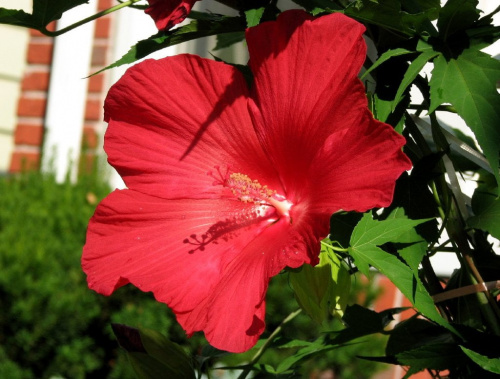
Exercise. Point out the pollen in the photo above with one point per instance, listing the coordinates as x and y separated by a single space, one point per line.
248 190
251 191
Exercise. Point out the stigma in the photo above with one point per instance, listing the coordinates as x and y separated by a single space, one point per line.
251 191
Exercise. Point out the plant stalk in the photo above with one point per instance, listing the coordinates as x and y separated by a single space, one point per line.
88 19
264 347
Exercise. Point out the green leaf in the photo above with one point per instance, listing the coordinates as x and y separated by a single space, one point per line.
227 39
314 348
457 15
44 12
388 15
253 16
414 333
369 233
17 18
486 208
366 238
488 364
362 321
382 108
411 73
322 290
414 245
342 225
384 57
317 6
195 29
469 84
440 356
152 355
423 5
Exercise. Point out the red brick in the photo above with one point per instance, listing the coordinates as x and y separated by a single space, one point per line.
96 83
93 110
23 161
102 27
99 54
51 27
89 138
386 299
31 107
28 135
36 81
40 52
104 4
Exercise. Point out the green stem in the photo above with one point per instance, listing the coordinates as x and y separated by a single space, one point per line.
264 347
88 19
423 106
335 248
438 201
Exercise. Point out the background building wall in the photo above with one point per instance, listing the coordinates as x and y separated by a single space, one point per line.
12 67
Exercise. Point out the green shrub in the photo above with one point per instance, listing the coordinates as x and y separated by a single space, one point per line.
51 324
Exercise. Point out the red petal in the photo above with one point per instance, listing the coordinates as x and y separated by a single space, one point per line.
167 13
358 167
232 316
217 286
158 245
172 121
305 85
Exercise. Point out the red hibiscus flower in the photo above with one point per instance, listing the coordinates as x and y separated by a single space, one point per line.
167 13
228 185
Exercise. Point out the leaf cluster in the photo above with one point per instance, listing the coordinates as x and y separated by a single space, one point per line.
426 61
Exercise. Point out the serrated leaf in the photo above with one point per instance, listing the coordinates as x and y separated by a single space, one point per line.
227 39
253 16
414 333
488 364
440 356
384 57
457 15
195 29
411 73
486 208
44 12
312 349
362 321
152 355
424 5
388 15
317 6
368 234
415 245
342 225
322 290
469 84
263 368
365 239
16 17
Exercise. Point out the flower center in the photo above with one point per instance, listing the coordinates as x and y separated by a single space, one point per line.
251 191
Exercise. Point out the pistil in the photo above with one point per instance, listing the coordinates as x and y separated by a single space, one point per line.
251 191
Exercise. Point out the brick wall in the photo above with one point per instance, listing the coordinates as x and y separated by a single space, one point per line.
31 106
31 109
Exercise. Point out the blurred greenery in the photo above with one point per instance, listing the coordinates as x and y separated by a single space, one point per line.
52 325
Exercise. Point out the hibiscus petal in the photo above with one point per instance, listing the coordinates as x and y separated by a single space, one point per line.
232 316
214 284
167 13
177 249
358 167
305 85
173 121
